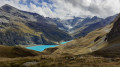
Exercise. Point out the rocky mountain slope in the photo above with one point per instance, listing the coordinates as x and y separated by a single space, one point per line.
23 28
113 39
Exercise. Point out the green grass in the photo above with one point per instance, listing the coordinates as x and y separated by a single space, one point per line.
26 29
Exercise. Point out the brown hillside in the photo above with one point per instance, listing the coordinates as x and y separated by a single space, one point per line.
11 52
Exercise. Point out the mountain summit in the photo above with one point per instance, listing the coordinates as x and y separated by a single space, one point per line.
7 7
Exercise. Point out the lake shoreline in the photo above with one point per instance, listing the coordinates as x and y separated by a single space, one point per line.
42 47
32 45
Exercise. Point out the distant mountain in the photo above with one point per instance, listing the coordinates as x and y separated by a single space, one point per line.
23 28
93 24
65 25
79 27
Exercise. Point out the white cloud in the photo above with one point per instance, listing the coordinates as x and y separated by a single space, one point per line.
36 9
84 8
24 1
68 8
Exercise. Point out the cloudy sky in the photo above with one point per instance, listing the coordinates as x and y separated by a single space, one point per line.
66 9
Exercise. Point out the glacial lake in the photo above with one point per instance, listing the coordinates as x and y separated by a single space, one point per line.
43 47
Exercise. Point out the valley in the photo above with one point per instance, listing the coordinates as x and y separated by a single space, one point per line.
76 42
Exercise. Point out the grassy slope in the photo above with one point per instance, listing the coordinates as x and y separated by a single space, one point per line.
26 29
19 33
86 44
12 52
62 61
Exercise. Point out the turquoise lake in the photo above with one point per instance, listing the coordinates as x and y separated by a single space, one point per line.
43 47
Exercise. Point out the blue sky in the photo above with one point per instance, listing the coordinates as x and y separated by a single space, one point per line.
66 9
36 2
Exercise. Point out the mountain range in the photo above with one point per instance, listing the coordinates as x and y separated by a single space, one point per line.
79 27
22 28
